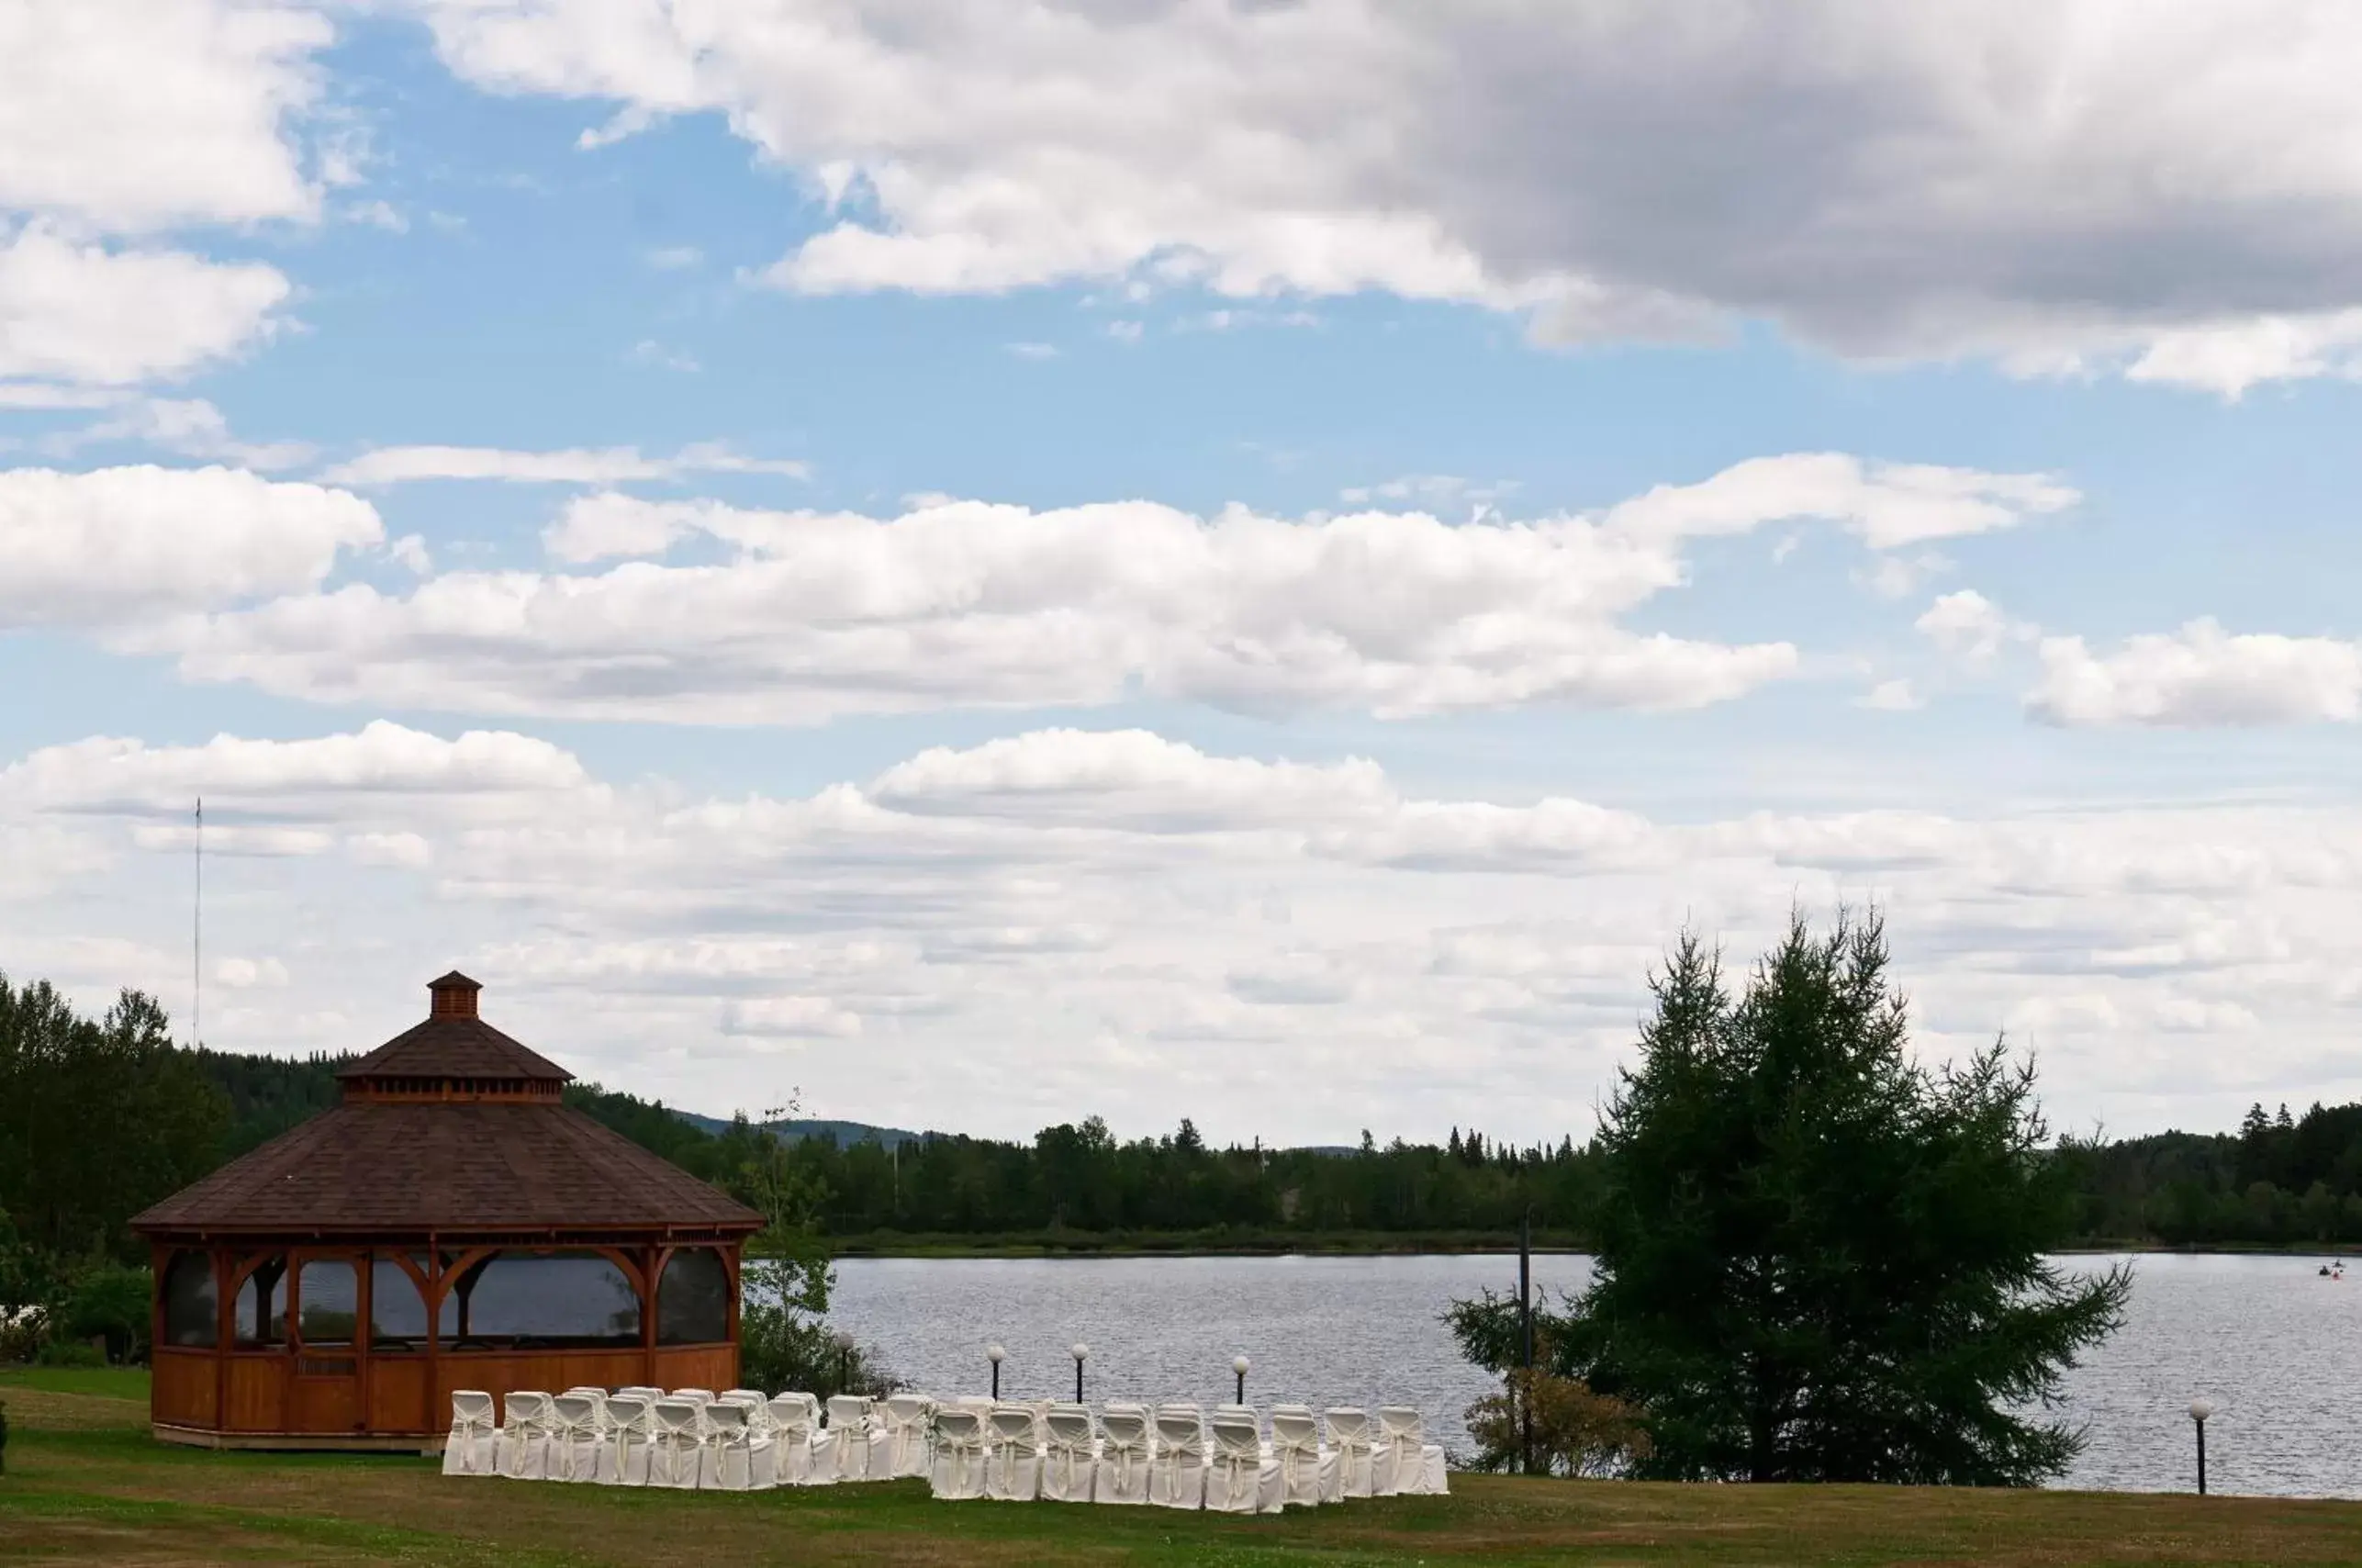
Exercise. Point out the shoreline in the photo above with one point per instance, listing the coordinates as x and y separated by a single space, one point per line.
1138 1244
1409 1244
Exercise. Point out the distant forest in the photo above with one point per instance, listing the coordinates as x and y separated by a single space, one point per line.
169 1115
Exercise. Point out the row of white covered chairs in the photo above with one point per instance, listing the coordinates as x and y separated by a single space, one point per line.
1174 1456
738 1440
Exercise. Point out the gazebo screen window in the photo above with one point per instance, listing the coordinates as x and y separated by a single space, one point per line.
328 1302
263 1305
192 1306
531 1299
693 1301
397 1314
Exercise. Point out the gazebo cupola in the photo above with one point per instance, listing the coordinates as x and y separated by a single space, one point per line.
452 1223
454 1055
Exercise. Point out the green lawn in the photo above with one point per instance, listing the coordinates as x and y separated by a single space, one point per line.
86 1485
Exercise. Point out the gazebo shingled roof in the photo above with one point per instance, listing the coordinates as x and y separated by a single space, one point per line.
396 1168
399 1156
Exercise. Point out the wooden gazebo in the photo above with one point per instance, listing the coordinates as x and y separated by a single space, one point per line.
452 1223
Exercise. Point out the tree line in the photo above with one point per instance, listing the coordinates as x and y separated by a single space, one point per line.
2277 1181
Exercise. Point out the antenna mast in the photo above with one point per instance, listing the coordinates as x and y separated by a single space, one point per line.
197 940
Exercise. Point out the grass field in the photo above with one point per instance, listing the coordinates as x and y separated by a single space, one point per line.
86 1485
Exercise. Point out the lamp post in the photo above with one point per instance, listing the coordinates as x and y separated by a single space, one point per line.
1082 1353
995 1354
1240 1366
2199 1409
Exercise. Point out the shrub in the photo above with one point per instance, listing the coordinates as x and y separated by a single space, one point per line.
110 1300
1576 1431
68 1353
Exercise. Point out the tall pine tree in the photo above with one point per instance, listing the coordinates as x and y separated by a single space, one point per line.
1816 1259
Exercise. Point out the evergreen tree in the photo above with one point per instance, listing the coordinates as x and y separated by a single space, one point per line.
99 1118
1817 1261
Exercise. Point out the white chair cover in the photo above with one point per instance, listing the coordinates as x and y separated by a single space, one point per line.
675 1443
1239 1477
575 1449
1121 1474
731 1458
1012 1470
795 1428
629 1429
1069 1456
1353 1440
702 1396
961 1454
523 1448
1306 1468
763 1453
475 1436
850 1426
640 1390
908 1418
1177 1464
1405 1464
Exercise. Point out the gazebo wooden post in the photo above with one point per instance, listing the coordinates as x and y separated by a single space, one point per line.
365 1310
225 1324
432 1297
652 1262
731 1253
159 1256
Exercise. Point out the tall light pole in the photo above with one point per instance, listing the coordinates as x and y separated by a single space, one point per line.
1240 1366
2199 1409
995 1354
1526 1337
1082 1353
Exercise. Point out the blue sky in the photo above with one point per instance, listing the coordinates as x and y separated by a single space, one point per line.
1168 559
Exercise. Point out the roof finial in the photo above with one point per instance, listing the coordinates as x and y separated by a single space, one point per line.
453 996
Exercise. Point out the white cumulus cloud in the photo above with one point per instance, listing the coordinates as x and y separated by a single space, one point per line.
2201 674
82 312
1077 899
1969 627
130 115
243 776
965 603
102 546
2002 176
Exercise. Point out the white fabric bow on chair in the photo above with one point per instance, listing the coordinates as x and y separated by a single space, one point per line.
1121 1473
960 1455
470 1449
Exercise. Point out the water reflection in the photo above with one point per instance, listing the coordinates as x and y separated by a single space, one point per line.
2277 1347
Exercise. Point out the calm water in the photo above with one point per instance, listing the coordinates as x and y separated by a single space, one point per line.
2277 1348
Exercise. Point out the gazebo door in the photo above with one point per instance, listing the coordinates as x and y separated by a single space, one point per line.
325 1317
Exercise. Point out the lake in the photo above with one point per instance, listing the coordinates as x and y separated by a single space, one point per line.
2277 1347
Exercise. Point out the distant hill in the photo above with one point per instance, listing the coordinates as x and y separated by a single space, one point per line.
846 1133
